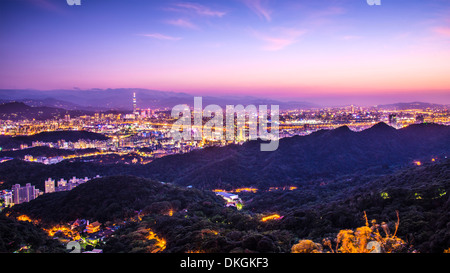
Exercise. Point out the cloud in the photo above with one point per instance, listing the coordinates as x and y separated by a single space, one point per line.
182 23
160 36
284 37
442 31
199 9
259 8
275 43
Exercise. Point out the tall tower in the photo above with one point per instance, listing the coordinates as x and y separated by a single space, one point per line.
134 103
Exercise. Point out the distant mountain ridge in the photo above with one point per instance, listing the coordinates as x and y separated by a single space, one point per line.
121 99
323 154
411 105
72 136
20 111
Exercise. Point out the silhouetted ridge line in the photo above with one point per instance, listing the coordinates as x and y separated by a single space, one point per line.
323 154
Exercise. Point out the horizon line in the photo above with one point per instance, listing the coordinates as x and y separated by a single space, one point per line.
316 100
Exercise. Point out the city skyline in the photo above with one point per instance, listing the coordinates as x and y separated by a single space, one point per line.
219 127
316 51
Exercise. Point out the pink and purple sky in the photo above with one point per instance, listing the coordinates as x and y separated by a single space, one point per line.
313 50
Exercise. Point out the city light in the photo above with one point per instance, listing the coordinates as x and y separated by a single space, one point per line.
160 243
271 217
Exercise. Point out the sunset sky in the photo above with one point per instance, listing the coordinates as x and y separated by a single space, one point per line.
315 50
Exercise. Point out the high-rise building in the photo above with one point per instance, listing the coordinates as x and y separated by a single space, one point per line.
392 119
419 119
49 185
62 182
24 194
62 185
134 103
8 199
16 193
37 192
73 180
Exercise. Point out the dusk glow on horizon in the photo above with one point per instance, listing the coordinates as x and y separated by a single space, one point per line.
321 50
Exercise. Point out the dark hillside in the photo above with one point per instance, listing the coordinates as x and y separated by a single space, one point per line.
325 154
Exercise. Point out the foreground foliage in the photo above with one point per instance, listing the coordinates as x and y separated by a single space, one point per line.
364 239
193 220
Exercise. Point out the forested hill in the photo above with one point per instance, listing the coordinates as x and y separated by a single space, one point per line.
21 111
113 198
323 154
419 194
54 136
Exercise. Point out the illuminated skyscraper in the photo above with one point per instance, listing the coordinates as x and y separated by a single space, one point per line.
62 183
392 119
134 103
49 185
23 194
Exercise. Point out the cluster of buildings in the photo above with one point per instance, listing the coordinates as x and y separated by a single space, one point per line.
22 194
151 128
19 194
90 228
69 145
232 199
64 185
43 159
